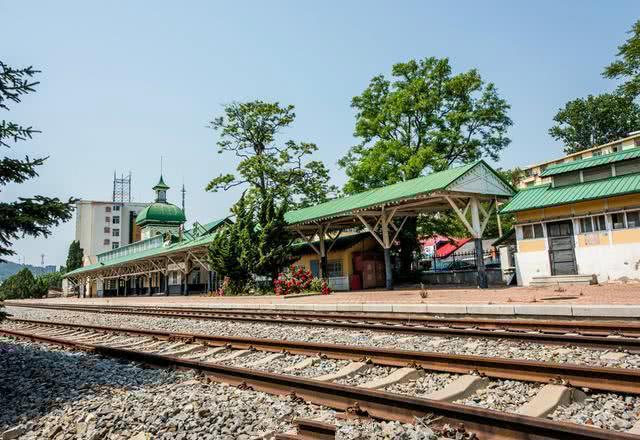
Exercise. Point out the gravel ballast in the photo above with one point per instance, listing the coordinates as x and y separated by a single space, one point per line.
50 393
454 345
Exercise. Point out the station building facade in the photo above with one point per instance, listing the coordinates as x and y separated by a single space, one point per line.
584 222
167 260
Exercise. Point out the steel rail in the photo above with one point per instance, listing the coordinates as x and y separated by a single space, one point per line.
487 424
597 378
502 329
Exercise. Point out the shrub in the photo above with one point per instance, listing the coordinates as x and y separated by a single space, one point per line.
298 279
294 280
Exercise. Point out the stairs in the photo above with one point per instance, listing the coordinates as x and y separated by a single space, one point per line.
555 280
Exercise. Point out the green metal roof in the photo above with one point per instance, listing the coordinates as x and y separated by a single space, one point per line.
160 212
543 196
379 196
590 162
183 245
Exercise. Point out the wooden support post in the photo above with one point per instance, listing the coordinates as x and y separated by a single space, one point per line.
149 283
387 250
477 227
323 252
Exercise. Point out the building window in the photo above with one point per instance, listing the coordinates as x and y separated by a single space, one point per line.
597 153
599 223
116 219
107 229
107 219
107 209
116 232
334 268
617 220
532 231
591 224
566 179
115 245
106 242
174 277
627 167
116 207
633 219
597 173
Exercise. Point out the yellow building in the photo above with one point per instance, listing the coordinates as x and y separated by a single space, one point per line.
532 174
584 221
351 254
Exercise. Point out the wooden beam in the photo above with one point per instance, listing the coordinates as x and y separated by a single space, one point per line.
461 216
366 225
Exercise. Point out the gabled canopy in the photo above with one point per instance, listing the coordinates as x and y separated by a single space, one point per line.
475 178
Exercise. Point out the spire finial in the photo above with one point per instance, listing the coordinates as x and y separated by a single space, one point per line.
160 166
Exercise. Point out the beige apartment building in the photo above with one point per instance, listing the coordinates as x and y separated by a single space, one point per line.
532 173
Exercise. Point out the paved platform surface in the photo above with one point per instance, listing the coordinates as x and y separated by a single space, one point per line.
607 300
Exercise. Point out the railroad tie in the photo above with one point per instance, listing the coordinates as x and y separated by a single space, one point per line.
548 399
346 371
635 429
206 354
306 363
401 375
265 360
186 350
236 354
460 388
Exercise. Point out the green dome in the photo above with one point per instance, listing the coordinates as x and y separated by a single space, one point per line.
161 213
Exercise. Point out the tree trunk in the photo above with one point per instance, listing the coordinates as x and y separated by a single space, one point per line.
408 238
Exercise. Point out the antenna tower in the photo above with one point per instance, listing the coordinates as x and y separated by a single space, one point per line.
121 188
183 191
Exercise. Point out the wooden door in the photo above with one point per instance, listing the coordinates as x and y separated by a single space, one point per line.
562 253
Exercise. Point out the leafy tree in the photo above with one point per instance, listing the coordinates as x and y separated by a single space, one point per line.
596 120
274 240
423 119
256 244
75 256
627 66
249 130
232 251
34 216
19 286
50 280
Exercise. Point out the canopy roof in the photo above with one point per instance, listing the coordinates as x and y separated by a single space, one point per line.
474 178
543 196
591 162
191 239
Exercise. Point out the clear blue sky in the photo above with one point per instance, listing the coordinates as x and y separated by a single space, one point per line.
125 82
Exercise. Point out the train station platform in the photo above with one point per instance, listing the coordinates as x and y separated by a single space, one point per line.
596 301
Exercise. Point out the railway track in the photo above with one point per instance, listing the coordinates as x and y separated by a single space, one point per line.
596 334
245 362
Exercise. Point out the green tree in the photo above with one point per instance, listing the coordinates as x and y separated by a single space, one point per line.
596 120
627 65
274 240
75 256
423 119
267 165
21 285
232 252
33 216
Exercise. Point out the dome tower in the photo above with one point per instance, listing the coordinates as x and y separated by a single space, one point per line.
161 216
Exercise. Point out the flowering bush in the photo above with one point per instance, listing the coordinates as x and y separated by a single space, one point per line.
221 290
294 280
297 279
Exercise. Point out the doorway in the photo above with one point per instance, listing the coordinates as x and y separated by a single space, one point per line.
562 253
